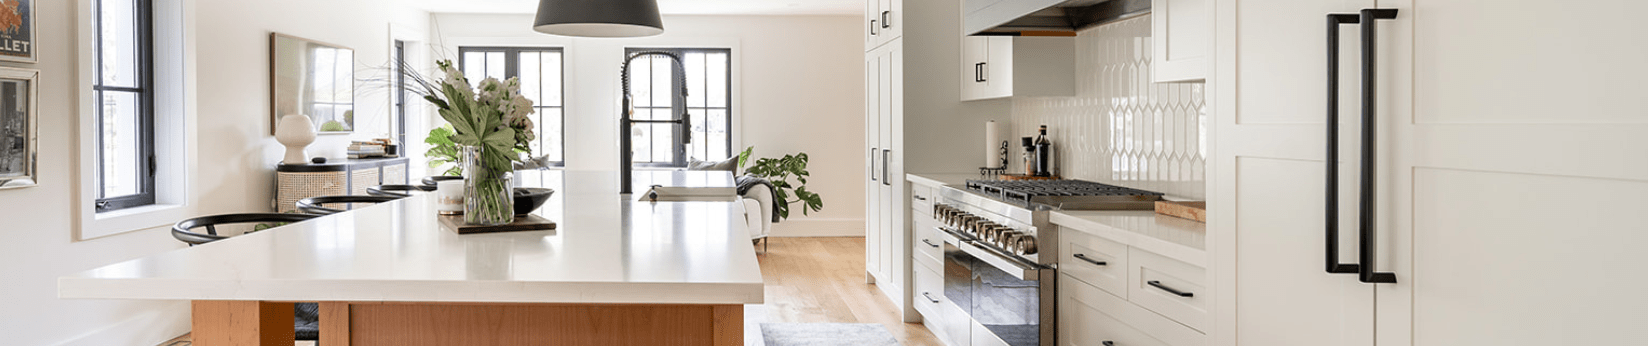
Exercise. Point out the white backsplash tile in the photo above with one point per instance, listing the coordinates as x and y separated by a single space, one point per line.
1121 128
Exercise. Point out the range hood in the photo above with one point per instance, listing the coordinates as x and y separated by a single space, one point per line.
1045 17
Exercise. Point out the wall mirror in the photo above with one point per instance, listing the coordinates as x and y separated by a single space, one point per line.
312 78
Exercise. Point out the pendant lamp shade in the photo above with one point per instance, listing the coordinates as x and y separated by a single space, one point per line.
599 18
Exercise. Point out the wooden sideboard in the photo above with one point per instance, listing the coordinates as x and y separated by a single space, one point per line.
334 178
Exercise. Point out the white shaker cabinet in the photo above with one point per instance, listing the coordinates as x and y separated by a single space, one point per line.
883 22
1505 175
1179 32
885 256
1006 66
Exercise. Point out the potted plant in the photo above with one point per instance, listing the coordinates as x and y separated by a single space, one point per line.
779 172
491 130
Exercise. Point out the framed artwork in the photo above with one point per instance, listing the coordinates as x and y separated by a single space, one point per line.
312 78
17 30
18 127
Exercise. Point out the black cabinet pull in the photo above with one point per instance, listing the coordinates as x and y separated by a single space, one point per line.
1083 257
886 20
1332 216
884 165
929 297
984 71
1158 284
919 198
872 27
1370 142
1108 343
929 243
978 73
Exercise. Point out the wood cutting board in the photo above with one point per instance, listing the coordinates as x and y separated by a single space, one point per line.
529 222
1184 210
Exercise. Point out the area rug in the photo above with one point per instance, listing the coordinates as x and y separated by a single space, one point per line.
826 334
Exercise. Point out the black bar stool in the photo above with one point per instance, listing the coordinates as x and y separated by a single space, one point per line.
397 191
182 230
305 316
313 205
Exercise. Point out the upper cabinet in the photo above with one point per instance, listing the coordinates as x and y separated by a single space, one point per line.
883 22
1006 66
1179 31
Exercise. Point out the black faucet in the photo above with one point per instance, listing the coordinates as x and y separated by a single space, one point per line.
625 154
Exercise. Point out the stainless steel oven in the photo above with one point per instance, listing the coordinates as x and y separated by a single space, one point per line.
1000 250
991 272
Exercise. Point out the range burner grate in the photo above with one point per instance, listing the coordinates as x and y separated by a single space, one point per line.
1067 194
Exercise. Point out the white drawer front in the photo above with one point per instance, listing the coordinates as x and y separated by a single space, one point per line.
1153 280
929 293
1090 317
925 241
1081 255
921 198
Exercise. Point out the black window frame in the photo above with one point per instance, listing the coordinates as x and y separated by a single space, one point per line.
401 90
144 51
512 57
677 147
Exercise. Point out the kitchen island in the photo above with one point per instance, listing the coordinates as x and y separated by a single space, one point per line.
616 271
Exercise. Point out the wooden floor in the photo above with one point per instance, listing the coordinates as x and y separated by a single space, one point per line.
810 280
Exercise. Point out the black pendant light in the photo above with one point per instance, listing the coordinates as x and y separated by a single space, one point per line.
599 18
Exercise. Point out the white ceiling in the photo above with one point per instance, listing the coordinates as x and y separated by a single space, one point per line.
702 7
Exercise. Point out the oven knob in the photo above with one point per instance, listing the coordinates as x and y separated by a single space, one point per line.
996 233
1026 245
978 225
1006 238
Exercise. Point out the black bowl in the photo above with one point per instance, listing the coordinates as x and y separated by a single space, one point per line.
528 199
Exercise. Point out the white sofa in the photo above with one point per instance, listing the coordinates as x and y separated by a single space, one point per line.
758 212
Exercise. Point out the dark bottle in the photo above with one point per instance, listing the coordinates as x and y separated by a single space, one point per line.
1044 154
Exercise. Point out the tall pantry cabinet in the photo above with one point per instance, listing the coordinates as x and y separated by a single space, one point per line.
885 259
1456 173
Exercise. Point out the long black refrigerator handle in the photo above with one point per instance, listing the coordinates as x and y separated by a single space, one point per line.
1370 141
1332 216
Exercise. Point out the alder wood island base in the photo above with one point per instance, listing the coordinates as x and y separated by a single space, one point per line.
615 272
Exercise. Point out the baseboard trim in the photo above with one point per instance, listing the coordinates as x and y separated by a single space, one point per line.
819 228
150 328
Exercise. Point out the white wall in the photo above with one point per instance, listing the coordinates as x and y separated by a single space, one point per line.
236 159
798 86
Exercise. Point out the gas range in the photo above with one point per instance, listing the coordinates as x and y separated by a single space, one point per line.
1001 252
1065 194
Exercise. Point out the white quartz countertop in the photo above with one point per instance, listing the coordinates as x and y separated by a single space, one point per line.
1176 238
607 248
941 179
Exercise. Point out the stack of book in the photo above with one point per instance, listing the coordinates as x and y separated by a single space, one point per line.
370 149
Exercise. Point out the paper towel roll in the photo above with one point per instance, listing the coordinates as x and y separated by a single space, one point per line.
992 144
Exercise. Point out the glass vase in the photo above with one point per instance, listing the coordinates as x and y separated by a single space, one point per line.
488 199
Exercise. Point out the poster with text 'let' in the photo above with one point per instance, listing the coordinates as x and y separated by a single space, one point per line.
17 30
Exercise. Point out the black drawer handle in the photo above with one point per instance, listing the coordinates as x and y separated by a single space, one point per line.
1089 260
919 198
1158 284
929 297
1109 343
929 243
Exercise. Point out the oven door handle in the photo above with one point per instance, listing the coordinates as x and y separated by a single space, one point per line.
1014 267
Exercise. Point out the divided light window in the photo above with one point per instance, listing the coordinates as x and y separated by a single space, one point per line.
709 106
123 91
540 71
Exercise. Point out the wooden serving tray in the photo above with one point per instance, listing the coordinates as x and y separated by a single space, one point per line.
529 222
1185 210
